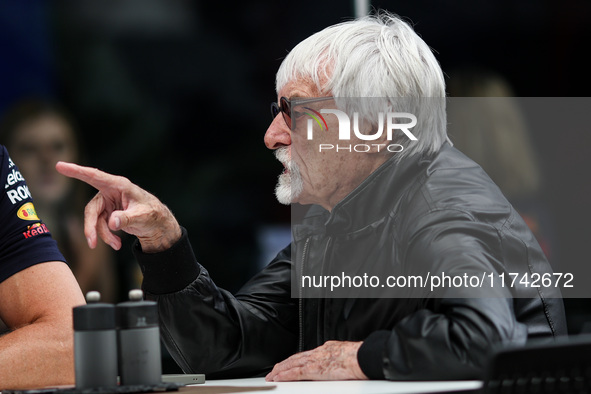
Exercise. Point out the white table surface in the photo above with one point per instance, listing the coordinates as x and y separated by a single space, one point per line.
349 386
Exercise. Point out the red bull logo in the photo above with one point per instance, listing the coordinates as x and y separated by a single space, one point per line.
36 229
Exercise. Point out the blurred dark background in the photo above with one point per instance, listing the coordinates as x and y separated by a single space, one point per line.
174 94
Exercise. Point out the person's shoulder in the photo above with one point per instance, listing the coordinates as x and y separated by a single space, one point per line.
5 161
455 181
450 186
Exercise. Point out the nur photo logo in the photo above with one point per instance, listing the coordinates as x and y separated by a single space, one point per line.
388 122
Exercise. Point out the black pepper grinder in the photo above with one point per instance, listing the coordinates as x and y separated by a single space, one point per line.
95 343
139 341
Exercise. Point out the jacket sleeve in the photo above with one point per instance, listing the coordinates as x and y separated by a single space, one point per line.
450 337
208 330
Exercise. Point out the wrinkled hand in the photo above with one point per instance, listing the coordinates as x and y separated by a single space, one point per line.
335 360
121 205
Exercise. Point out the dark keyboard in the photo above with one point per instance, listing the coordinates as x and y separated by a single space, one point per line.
562 366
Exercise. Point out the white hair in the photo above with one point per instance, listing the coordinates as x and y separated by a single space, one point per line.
375 56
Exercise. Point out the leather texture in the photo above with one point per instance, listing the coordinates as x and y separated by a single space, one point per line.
434 214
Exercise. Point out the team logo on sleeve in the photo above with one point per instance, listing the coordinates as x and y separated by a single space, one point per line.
36 229
27 212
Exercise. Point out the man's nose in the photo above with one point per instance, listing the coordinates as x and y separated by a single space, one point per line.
278 134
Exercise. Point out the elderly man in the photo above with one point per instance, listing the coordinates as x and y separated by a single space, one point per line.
399 200
37 293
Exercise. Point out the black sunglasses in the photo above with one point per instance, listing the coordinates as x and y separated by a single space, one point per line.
285 105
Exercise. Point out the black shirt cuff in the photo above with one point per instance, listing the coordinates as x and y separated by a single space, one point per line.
371 354
168 271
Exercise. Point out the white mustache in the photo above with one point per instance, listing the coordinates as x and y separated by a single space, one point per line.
282 154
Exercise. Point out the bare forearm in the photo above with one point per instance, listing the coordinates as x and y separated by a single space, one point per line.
37 355
37 306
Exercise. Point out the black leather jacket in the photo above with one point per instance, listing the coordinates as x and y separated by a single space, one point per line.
424 215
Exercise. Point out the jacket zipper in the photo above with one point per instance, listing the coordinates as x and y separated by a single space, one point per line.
322 301
300 300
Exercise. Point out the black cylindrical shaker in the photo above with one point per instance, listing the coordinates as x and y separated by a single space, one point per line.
95 343
139 341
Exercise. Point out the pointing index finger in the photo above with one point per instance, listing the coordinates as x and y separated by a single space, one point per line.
96 178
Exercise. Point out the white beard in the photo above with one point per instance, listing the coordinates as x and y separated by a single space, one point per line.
290 184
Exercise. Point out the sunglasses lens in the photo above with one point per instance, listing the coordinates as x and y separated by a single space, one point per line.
274 110
283 107
286 109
